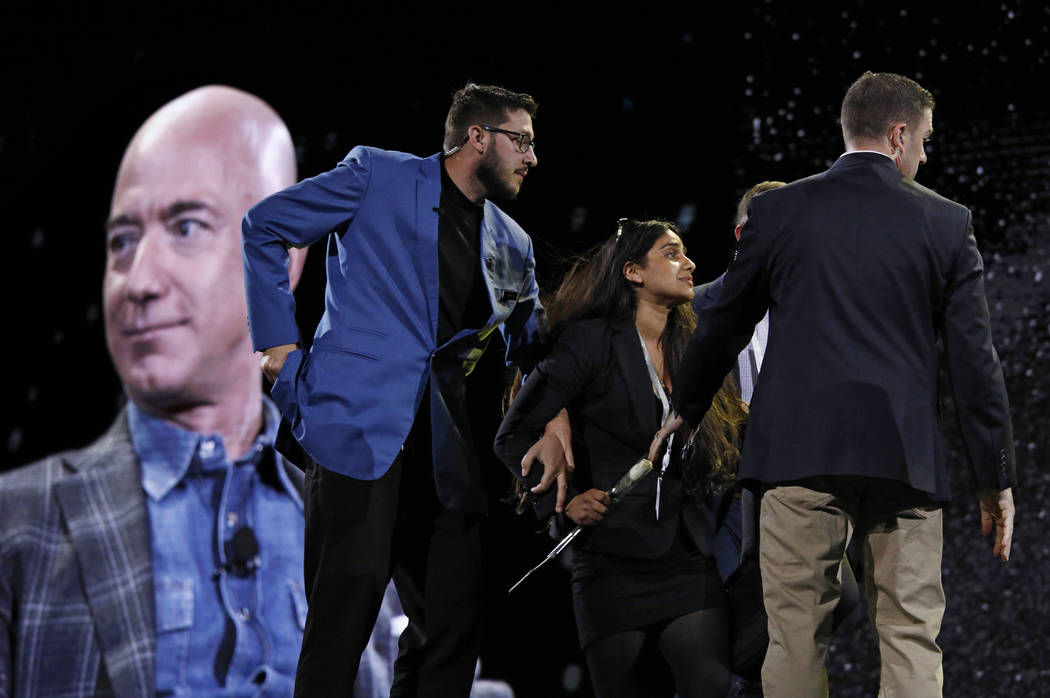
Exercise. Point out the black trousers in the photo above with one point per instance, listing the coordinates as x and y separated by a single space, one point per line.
361 533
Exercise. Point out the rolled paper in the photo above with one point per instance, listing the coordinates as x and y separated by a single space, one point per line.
631 478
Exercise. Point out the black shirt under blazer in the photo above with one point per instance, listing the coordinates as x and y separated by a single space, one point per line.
863 271
597 370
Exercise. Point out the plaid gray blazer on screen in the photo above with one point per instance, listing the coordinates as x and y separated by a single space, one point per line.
76 575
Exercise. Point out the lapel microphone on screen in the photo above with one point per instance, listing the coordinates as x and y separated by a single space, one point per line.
242 553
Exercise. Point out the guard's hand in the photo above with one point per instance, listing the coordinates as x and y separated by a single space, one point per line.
554 451
997 511
670 426
588 508
273 359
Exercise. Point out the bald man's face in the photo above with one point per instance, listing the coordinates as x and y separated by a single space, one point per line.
176 318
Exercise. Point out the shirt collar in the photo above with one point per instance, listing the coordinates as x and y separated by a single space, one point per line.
878 152
166 451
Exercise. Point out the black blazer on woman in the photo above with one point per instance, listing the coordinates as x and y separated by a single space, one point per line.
597 370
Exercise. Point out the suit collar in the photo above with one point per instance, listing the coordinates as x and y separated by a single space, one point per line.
113 445
628 349
104 509
430 167
864 158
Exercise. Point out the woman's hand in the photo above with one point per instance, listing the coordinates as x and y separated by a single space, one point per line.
588 508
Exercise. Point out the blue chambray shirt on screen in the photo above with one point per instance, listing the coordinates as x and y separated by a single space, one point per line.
219 634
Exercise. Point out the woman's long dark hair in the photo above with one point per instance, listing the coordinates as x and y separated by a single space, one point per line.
596 287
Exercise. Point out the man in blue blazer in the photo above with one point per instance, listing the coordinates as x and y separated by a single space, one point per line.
863 271
422 269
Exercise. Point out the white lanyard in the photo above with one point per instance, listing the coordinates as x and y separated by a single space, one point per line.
658 388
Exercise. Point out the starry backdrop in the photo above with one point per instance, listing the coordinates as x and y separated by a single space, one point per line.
643 116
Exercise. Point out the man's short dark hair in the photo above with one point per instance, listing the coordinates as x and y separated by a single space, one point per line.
876 101
485 105
745 200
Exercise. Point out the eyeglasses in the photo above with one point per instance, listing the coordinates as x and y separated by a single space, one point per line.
521 140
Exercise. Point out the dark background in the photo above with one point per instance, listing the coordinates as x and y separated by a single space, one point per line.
645 116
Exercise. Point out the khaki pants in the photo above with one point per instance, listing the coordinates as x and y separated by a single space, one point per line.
803 537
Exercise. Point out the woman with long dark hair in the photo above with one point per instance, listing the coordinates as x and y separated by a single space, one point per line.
642 574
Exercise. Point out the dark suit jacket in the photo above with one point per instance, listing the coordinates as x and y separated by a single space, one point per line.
863 271
597 370
76 574
352 400
704 296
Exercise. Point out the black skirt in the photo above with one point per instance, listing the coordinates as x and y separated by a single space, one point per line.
612 594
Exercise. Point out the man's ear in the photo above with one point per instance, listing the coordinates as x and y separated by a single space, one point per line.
476 139
895 136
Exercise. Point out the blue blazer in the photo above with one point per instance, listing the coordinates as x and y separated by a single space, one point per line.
351 402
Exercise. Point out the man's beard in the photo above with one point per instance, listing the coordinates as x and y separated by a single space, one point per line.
489 175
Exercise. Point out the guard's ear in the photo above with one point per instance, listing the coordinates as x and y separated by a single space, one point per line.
895 136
